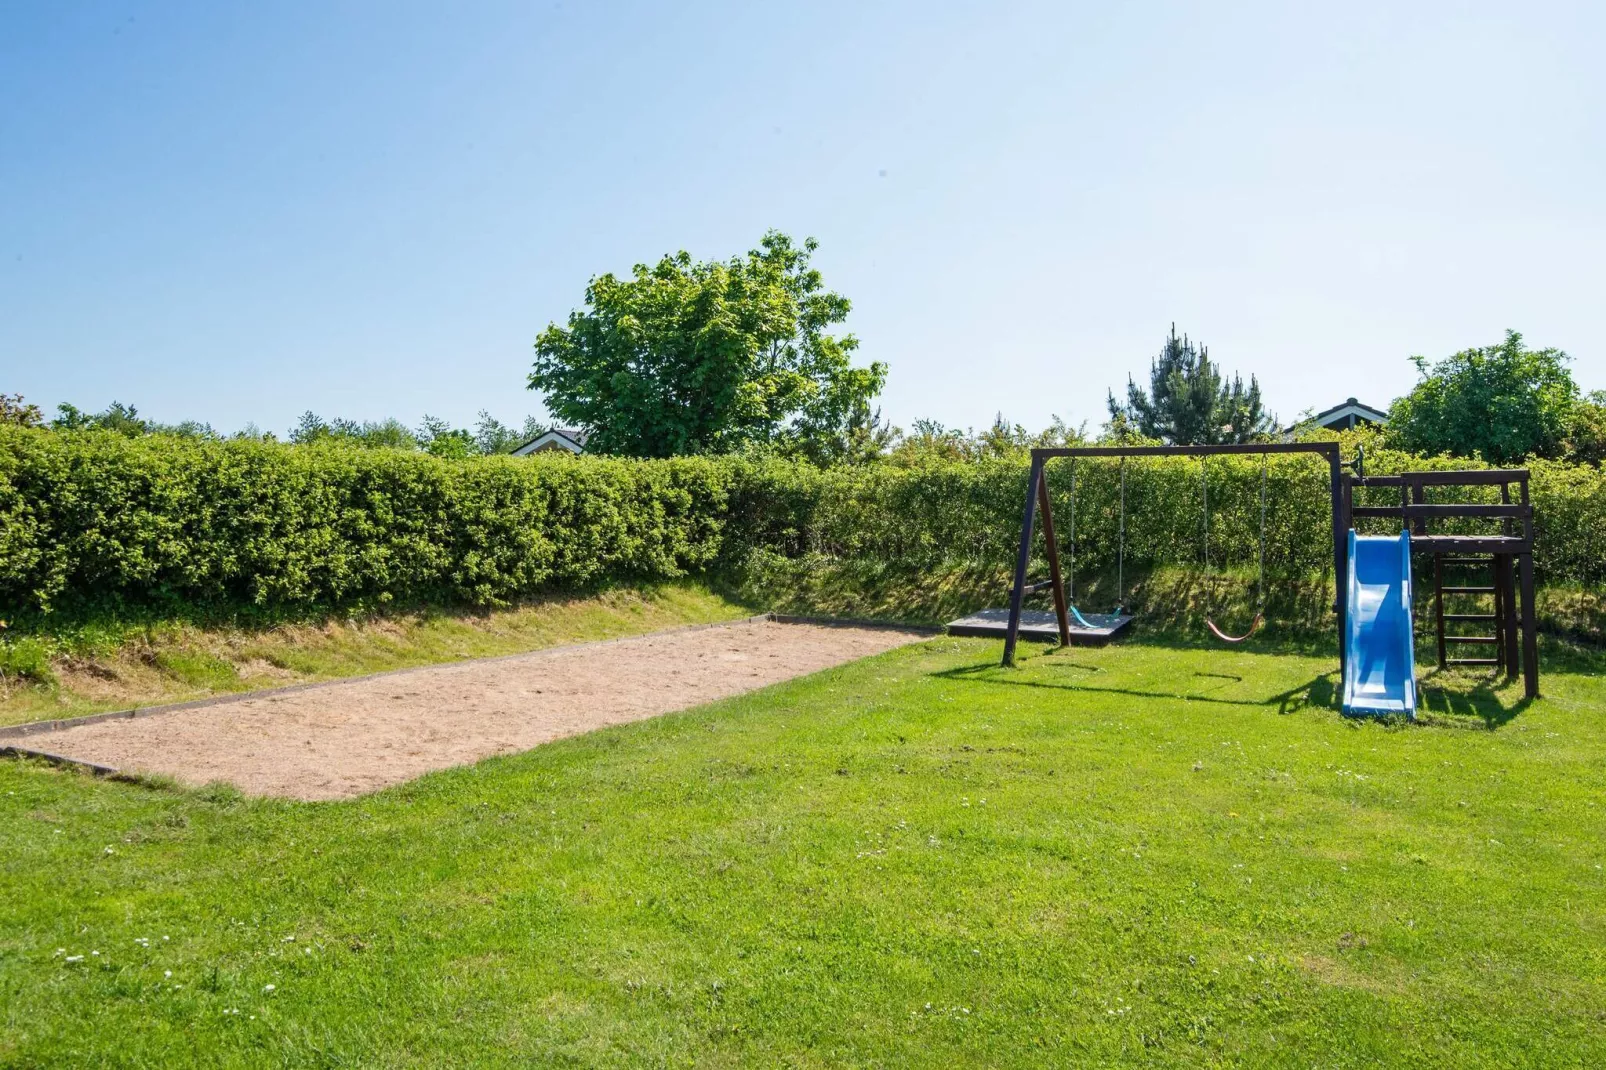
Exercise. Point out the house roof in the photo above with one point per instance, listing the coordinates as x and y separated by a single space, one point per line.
1351 407
569 438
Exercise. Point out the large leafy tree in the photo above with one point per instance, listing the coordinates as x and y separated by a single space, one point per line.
1501 403
1189 402
687 357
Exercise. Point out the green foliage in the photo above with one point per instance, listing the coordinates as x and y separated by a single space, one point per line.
493 436
434 436
1503 403
1586 432
25 657
18 412
938 515
687 357
1188 402
96 518
439 439
929 441
382 434
125 420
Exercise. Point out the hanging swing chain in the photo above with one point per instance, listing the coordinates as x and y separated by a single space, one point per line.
1070 573
1120 551
1260 580
1260 564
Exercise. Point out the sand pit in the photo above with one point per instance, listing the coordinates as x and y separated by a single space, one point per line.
342 739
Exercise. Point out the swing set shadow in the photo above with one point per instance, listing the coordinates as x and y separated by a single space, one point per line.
1319 692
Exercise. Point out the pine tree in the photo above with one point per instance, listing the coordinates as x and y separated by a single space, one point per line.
1188 403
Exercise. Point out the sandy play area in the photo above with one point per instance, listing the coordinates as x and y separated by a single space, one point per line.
347 738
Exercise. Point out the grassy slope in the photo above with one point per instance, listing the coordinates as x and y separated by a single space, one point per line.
177 662
1133 856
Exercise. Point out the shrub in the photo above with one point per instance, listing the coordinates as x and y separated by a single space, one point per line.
93 520
25 658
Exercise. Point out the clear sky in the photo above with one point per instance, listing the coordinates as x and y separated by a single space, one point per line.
236 212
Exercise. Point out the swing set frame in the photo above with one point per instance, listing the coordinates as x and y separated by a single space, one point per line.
1037 499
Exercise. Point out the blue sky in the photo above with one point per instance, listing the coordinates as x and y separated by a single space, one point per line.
237 212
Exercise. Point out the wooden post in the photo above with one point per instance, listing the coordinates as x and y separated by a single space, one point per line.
1054 578
1530 640
1506 605
1022 561
1530 636
1341 525
1438 605
1505 601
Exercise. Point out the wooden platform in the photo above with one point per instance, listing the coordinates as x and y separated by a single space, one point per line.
1040 625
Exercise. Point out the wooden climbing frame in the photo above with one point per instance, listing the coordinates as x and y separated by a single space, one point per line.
1508 555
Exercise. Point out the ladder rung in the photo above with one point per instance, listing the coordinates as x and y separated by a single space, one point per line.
1467 560
1467 590
1471 639
1472 661
1469 616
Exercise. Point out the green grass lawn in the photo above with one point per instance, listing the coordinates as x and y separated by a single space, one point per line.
1134 856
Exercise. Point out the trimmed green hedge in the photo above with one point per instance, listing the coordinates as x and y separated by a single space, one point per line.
94 519
970 513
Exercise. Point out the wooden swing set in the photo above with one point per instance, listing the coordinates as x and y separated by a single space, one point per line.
1102 627
1508 553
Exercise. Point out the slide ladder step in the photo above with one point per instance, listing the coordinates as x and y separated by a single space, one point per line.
1469 616
1469 590
1490 639
1472 661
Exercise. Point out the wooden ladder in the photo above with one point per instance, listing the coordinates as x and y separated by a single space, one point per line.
1498 617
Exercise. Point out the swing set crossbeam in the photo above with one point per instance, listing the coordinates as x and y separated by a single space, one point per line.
1037 500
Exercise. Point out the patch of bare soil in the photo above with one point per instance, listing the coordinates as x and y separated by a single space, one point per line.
338 740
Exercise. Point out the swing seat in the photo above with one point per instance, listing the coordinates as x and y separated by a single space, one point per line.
1093 629
1254 627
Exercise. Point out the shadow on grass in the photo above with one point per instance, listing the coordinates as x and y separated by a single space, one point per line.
1449 697
1447 704
1317 692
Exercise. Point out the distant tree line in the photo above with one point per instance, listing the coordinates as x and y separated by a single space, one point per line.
433 435
738 356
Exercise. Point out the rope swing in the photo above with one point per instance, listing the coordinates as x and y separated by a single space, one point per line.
1260 579
1120 553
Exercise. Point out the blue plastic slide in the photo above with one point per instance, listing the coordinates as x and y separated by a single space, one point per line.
1380 672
